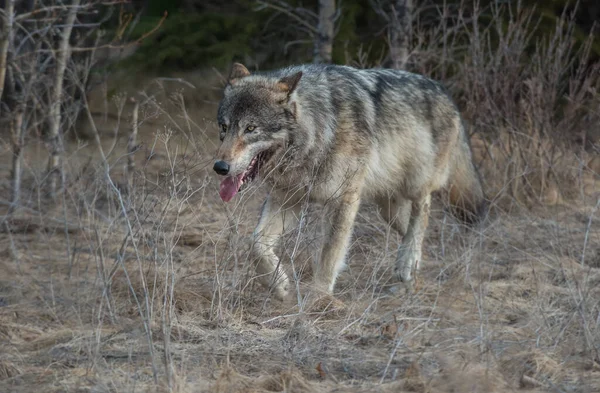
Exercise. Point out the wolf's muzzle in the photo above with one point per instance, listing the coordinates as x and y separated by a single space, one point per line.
221 167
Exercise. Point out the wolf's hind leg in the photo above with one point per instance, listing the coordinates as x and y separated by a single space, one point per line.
273 222
396 211
409 252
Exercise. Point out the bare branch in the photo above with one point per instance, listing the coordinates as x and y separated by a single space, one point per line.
53 8
123 46
292 15
132 144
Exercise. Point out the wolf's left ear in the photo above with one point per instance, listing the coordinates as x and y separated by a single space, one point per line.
288 84
238 71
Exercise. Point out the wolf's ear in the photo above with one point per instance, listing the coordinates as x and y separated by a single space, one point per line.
238 71
287 84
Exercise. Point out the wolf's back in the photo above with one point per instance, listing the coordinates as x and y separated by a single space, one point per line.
391 105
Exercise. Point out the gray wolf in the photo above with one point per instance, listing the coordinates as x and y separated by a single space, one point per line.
339 136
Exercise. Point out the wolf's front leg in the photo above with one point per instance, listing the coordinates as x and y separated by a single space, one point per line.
274 220
339 222
409 252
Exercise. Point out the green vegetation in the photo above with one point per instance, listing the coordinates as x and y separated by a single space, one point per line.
186 41
199 33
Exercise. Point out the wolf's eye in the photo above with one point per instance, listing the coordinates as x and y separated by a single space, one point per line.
250 129
222 132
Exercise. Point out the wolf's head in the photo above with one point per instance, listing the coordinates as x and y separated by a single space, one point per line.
257 117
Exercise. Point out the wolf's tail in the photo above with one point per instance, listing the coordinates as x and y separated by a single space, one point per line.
465 191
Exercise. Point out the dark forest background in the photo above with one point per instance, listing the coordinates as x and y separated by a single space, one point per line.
200 33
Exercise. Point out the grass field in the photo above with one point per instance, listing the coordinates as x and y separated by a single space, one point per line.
151 288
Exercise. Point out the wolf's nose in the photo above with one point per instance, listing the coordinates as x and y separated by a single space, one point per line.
221 167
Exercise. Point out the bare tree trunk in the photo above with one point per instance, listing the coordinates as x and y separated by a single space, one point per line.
400 29
7 24
132 145
324 38
18 142
55 138
16 121
17 105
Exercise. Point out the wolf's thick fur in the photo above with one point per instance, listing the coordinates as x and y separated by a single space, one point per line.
338 136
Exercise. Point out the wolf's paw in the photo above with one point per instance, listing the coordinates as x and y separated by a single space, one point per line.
406 267
324 303
281 290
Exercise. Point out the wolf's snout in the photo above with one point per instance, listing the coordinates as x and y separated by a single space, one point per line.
221 167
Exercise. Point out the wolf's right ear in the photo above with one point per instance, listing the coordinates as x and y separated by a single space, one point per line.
238 71
288 83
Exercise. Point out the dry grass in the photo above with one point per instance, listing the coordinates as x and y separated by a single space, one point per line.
152 290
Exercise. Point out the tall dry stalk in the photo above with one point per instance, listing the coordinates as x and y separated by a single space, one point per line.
132 144
18 142
55 139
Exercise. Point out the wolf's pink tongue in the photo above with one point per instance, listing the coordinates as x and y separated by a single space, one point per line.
230 186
